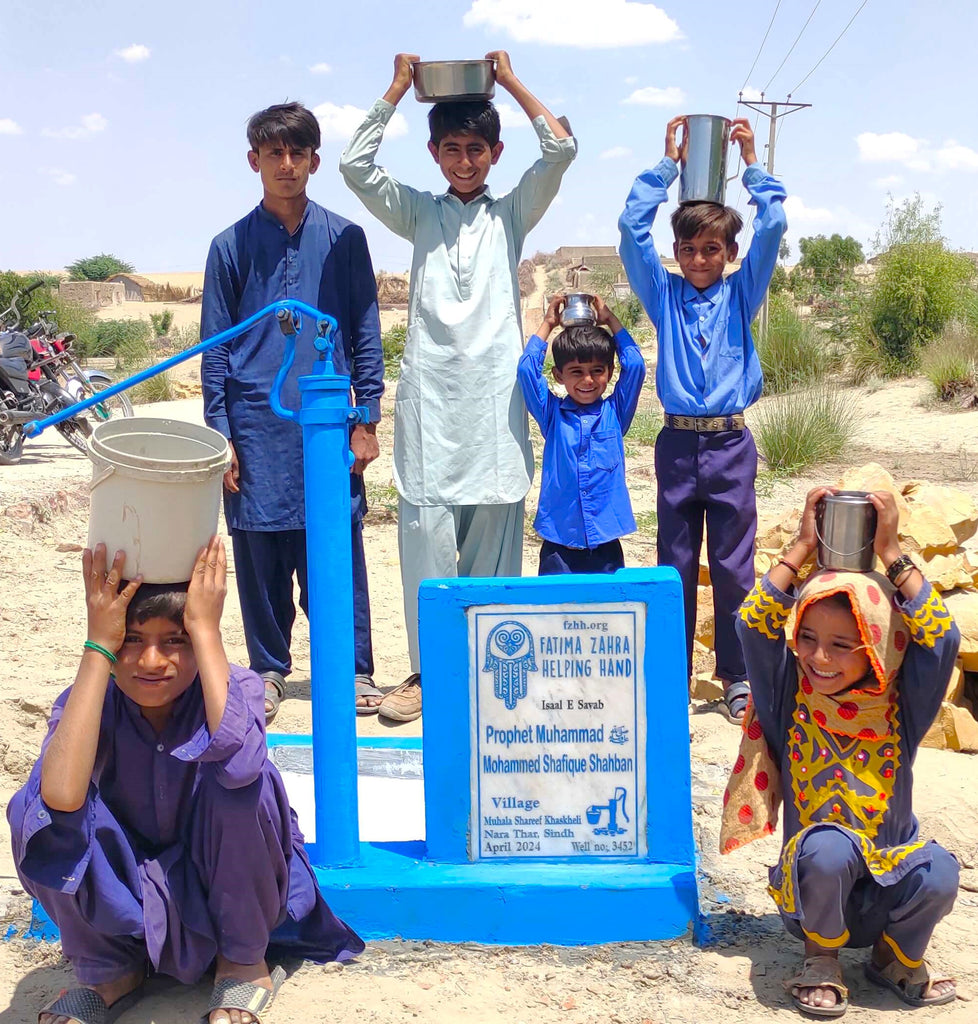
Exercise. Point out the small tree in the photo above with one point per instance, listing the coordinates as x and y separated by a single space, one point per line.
98 268
784 250
828 262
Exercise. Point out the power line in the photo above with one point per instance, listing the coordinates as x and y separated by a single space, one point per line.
793 45
761 47
830 49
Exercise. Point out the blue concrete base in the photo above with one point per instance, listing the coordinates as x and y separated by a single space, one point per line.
393 893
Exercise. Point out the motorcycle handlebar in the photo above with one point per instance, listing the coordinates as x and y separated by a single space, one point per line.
33 287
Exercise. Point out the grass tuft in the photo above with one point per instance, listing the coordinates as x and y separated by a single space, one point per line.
803 429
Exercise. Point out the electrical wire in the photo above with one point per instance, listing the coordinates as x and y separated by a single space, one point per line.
830 49
818 4
761 47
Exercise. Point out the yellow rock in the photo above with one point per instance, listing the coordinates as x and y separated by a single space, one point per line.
956 508
873 477
959 727
963 606
946 572
955 687
706 687
927 531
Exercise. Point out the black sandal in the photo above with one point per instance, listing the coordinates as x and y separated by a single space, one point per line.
734 703
274 692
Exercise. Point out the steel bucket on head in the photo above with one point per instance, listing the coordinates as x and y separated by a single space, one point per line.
703 177
845 526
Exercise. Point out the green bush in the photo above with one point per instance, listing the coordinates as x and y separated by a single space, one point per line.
162 322
158 388
799 430
950 363
185 337
780 281
794 351
645 427
98 268
127 340
392 341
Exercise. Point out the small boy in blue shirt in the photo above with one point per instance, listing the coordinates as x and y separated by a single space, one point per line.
708 373
584 506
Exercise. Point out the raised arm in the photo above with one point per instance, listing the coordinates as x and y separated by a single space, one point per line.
631 364
540 400
768 196
392 203
646 275
69 758
532 107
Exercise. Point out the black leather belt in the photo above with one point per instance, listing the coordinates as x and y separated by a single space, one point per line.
706 424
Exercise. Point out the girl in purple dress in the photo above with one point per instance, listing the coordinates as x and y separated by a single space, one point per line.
153 828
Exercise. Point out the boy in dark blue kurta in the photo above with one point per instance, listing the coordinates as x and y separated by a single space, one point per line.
584 507
838 714
288 247
707 374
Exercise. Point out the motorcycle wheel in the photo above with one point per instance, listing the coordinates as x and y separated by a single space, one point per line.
117 405
76 432
11 445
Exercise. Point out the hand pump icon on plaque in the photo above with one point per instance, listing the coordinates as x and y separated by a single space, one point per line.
614 806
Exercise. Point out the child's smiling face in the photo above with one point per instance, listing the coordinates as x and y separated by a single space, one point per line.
585 381
465 160
156 664
830 648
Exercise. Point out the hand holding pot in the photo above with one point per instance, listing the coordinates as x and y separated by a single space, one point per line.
741 131
676 151
504 68
403 77
886 543
605 316
106 603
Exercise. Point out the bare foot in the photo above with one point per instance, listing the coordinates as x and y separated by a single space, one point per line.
111 992
821 997
257 974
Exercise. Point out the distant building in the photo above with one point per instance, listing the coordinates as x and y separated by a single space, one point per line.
92 294
136 286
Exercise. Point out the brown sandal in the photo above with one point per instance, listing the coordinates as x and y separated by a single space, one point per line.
910 983
819 972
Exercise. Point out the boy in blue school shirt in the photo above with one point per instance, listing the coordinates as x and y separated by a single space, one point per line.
584 507
708 373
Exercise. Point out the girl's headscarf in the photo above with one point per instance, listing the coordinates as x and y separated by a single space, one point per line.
753 793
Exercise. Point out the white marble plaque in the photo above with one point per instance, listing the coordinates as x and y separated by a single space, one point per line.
557 731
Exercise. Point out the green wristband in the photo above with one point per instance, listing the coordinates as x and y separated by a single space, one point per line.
93 646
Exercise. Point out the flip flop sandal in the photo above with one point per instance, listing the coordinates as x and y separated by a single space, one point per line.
363 686
909 983
733 706
233 994
86 1006
819 972
274 692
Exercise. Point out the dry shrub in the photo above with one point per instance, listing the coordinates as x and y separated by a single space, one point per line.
392 289
171 293
524 274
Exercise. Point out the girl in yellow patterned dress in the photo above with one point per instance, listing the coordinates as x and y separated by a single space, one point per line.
837 714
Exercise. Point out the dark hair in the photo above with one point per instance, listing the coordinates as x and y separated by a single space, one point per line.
471 118
291 123
157 601
689 219
584 343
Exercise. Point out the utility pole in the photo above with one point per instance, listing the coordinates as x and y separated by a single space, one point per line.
769 108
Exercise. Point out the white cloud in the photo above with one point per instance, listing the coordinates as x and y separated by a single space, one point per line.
59 176
631 80
750 93
888 181
322 68
892 147
134 54
575 23
90 125
952 156
510 117
339 123
10 127
802 217
615 153
652 96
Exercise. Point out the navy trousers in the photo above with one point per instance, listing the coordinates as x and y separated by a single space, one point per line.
709 475
264 564
556 559
842 904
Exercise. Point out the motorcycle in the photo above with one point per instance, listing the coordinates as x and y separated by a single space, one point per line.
23 400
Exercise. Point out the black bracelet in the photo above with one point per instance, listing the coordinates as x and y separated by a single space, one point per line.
898 566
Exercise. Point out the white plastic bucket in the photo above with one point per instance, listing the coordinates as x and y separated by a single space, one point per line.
155 493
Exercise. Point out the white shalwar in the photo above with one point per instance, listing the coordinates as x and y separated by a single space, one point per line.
461 436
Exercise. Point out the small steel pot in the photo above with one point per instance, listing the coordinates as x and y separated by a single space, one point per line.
454 81
845 525
578 310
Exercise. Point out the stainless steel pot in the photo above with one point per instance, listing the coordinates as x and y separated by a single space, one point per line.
845 525
454 81
703 177
578 310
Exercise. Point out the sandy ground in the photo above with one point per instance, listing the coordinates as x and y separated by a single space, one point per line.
734 974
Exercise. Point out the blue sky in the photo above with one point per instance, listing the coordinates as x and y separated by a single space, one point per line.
122 125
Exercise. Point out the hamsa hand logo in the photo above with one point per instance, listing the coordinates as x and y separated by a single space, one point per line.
509 656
